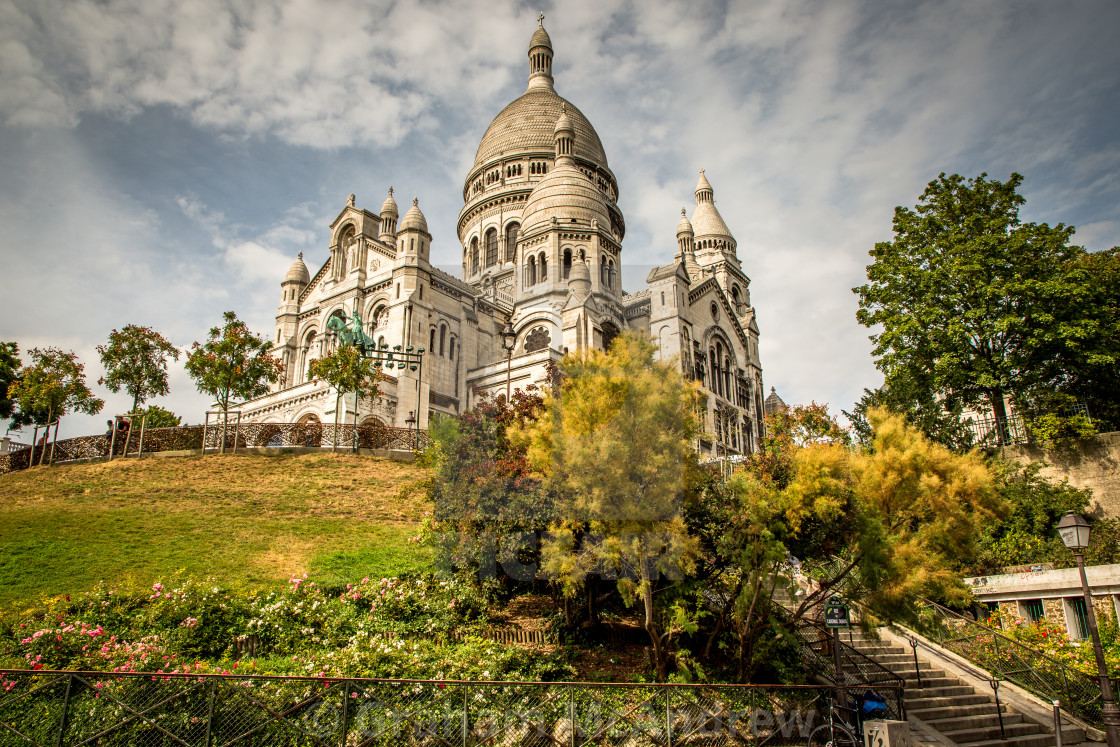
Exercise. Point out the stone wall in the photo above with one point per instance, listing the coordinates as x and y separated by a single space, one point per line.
1093 464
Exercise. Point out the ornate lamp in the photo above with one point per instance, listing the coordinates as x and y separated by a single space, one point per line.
1074 531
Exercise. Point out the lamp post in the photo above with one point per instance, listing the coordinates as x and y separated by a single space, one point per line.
1074 531
509 340
411 421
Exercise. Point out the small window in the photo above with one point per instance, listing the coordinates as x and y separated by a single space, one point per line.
1032 609
715 311
451 349
1079 627
442 339
398 290
432 340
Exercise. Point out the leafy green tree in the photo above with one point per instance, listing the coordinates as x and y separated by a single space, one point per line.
1027 534
615 442
488 509
52 386
233 362
971 304
348 372
9 373
878 525
157 417
135 359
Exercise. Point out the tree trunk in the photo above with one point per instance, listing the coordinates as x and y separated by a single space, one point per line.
592 588
722 618
659 654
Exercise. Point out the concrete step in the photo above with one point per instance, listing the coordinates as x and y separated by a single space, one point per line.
890 656
1035 740
938 692
920 701
911 682
981 733
939 713
963 723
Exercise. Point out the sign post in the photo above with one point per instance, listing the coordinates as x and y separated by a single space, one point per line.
835 618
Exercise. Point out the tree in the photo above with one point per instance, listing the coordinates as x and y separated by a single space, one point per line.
615 443
135 359
157 417
972 304
233 363
9 374
51 387
347 371
879 525
489 510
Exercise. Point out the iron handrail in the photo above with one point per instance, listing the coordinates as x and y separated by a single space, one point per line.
1011 660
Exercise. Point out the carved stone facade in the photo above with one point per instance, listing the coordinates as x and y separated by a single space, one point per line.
541 233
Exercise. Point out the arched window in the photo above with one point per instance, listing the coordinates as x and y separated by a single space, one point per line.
544 267
531 272
491 247
432 340
511 239
474 256
442 339
451 349
567 263
380 319
735 296
308 353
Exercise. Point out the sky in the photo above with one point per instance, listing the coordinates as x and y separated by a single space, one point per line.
162 162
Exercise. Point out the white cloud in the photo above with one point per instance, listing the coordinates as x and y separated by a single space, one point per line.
813 121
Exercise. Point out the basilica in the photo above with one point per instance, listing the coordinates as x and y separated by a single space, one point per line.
542 235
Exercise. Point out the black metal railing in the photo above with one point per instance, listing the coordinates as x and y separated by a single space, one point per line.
859 671
1007 659
106 708
217 437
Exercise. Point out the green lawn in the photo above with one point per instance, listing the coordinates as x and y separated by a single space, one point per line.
241 519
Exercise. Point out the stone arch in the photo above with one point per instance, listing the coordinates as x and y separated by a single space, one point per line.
308 351
610 331
491 247
513 228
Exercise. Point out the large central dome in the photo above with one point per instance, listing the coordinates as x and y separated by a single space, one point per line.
527 124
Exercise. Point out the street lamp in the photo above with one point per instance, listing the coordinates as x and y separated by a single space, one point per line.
411 421
509 340
1074 531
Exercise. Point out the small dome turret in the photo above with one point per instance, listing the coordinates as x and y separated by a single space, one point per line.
414 220
389 207
710 230
297 273
540 57
684 227
389 219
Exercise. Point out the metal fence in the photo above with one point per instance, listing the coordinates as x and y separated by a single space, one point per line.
1007 659
190 437
985 430
103 708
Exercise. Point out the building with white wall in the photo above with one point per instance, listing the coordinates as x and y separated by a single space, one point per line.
542 244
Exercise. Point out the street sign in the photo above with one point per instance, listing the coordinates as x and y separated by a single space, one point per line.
835 614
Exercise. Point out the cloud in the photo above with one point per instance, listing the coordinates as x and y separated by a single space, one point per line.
812 120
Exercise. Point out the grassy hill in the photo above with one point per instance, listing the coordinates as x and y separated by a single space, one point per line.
245 519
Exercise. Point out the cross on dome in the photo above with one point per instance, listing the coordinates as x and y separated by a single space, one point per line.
540 20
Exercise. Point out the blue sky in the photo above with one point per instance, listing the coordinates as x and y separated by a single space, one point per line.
161 162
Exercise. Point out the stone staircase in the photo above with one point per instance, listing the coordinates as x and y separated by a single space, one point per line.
954 709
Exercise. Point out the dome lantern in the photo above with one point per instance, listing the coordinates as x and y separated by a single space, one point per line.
540 57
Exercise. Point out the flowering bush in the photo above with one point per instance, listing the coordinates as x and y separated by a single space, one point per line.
1051 639
391 627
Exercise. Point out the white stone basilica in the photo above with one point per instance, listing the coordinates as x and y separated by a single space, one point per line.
542 235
